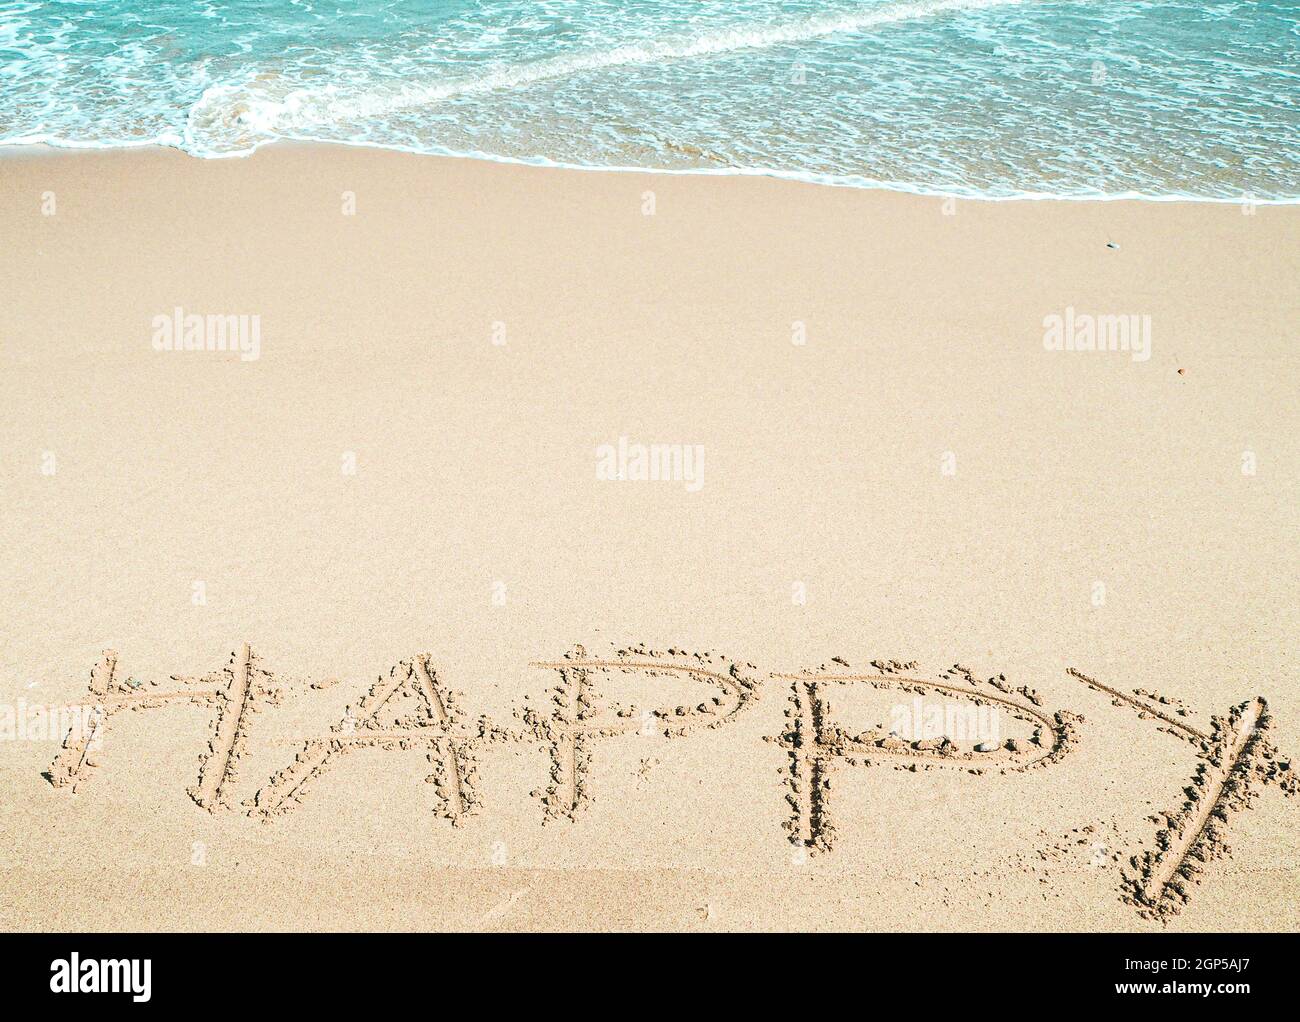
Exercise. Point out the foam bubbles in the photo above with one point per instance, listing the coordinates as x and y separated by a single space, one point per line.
991 98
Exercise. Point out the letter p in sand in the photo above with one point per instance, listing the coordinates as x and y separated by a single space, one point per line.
817 744
580 713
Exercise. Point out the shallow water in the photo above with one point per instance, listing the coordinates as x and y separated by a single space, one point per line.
993 98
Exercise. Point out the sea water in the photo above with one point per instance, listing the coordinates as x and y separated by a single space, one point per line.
993 98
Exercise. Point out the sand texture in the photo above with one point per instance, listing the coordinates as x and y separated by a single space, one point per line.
377 624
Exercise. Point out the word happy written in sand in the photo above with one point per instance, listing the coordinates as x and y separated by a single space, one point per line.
411 709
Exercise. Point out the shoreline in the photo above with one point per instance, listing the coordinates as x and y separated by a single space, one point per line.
46 148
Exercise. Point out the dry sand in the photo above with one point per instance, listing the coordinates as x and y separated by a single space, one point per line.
411 467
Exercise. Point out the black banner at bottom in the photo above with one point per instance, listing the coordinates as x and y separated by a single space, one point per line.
963 972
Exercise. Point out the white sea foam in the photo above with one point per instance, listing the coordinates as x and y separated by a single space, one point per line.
234 118
989 99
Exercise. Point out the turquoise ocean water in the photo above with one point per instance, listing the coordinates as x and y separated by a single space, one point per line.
998 98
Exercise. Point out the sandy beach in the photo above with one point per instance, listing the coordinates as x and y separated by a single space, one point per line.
405 633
